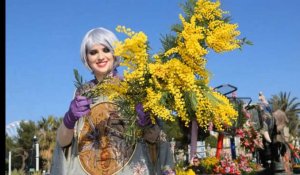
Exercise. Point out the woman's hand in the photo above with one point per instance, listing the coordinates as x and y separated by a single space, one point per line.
79 107
143 117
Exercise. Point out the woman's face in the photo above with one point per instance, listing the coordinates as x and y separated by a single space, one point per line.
101 60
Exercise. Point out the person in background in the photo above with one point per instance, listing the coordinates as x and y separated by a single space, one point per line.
196 166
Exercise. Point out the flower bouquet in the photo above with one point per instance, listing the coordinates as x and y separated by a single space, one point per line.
172 85
242 165
247 166
250 139
227 166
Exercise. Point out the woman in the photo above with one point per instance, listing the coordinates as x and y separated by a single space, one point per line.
86 147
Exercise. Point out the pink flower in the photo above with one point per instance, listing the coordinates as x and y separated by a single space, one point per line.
246 143
227 169
240 132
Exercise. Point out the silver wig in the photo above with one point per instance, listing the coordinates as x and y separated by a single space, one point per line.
98 36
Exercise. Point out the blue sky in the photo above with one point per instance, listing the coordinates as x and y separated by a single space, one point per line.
43 40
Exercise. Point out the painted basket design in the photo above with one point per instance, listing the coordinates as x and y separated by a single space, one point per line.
101 145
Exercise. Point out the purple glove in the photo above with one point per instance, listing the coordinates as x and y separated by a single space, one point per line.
78 108
143 118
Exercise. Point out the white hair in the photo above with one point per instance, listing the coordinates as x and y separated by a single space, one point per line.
98 36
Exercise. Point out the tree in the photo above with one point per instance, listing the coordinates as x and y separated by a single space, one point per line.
291 107
24 143
9 146
47 128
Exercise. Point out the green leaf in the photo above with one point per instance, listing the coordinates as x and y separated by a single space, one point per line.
79 80
190 101
211 97
177 27
227 19
168 41
245 41
188 8
166 99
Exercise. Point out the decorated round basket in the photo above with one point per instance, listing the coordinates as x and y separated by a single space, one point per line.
101 145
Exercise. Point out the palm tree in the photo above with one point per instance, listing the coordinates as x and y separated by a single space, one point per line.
291 107
47 128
